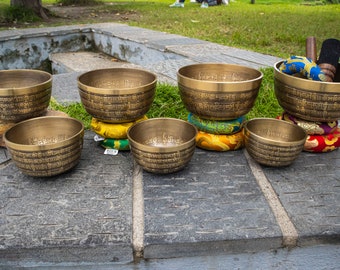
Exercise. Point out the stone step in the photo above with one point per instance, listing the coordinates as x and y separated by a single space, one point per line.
83 61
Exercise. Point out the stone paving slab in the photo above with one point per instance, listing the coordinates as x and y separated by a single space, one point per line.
153 39
85 61
309 190
212 206
82 215
65 87
211 52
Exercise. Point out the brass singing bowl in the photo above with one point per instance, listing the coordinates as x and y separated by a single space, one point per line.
117 95
162 145
217 91
310 100
45 146
24 94
273 142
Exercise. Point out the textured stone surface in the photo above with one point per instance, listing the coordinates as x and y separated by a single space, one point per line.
309 190
210 52
4 156
65 87
81 215
213 205
85 61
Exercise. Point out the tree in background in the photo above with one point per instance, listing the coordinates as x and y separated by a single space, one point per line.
34 5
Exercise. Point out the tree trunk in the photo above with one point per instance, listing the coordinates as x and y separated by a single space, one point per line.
34 5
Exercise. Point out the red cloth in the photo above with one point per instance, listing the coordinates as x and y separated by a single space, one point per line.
323 143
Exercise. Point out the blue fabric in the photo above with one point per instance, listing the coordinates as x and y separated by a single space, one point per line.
304 66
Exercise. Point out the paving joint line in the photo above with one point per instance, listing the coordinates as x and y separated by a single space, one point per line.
137 211
289 232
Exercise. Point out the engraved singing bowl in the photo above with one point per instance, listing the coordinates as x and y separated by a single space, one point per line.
310 100
217 91
162 145
273 142
117 95
24 94
45 146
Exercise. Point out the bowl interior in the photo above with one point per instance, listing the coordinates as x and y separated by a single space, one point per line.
303 84
116 79
276 131
23 78
49 130
215 72
162 133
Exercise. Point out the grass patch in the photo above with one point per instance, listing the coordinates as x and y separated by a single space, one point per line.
75 110
167 103
266 104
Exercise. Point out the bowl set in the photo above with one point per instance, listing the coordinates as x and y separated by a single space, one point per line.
39 145
311 105
309 121
116 98
217 96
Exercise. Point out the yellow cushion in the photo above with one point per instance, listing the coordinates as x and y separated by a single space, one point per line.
221 143
112 131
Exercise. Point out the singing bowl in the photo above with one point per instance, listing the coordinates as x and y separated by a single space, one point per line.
273 142
117 95
24 94
310 100
45 146
217 91
162 145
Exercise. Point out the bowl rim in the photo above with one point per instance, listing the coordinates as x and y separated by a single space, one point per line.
116 91
48 146
10 91
271 141
208 83
308 85
162 149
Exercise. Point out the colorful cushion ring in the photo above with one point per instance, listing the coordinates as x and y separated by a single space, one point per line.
304 66
122 144
312 128
323 143
112 131
221 143
217 127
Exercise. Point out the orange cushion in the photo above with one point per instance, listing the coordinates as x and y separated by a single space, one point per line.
221 143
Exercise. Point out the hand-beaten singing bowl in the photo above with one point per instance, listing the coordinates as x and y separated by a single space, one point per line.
273 142
218 91
310 100
162 145
45 146
117 95
24 94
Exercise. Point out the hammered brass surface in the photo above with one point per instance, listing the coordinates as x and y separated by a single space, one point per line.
218 91
273 142
307 99
24 94
117 95
45 146
162 145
